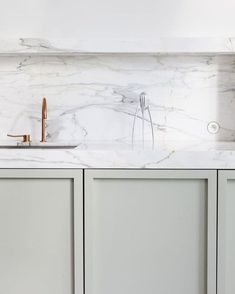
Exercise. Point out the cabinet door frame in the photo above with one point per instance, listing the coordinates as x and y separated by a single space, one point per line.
76 175
209 175
223 177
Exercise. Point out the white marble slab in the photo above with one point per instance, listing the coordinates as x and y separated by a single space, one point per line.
94 98
76 46
191 155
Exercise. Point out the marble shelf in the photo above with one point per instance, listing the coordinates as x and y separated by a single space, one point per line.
37 46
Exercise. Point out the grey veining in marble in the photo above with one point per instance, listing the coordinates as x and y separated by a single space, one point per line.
177 156
76 46
93 98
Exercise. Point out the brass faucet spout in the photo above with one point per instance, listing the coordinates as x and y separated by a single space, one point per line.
44 117
44 108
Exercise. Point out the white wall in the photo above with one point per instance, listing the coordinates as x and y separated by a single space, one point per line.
116 19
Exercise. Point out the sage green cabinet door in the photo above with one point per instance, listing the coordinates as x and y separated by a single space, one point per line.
41 232
151 232
226 233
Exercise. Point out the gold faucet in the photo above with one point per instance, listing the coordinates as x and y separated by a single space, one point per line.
44 117
26 138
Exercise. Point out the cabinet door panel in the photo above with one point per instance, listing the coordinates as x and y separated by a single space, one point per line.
38 218
146 232
226 237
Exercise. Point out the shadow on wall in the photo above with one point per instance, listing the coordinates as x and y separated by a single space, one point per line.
225 97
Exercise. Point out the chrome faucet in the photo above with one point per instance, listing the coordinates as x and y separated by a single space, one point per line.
142 108
44 117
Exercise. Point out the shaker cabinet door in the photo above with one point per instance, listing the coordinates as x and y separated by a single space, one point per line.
41 232
226 232
150 232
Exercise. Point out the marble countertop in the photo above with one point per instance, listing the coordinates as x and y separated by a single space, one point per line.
174 155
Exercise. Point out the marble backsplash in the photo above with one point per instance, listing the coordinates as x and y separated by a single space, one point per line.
94 97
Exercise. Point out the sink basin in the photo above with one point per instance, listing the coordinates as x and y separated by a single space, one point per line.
38 145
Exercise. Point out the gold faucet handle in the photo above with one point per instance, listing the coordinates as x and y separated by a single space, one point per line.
26 138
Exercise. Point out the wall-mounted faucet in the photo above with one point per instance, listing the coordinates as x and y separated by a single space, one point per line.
26 137
44 117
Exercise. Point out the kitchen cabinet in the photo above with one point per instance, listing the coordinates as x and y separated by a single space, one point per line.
150 231
41 231
226 232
